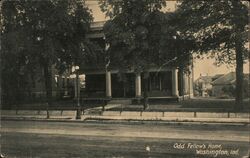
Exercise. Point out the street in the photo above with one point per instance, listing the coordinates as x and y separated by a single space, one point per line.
114 140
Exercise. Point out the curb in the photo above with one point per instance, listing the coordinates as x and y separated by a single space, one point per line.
127 120
72 113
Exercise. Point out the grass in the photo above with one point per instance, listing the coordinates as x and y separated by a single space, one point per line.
212 103
196 104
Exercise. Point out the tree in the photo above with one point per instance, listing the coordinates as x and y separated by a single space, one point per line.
141 35
39 34
133 35
219 28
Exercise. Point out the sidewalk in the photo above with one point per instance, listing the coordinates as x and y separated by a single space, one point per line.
67 115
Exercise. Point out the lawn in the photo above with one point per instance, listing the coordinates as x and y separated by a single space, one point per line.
212 103
194 104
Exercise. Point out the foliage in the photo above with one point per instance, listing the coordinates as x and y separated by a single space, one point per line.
133 32
215 25
219 28
53 30
39 34
141 35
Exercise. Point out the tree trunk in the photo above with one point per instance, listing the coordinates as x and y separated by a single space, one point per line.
239 77
48 84
145 92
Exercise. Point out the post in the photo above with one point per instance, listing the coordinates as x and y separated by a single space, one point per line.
108 84
138 85
175 91
76 89
78 111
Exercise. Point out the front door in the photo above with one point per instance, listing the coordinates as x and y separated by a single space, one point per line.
123 86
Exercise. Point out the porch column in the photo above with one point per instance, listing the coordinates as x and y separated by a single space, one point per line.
184 84
138 85
191 88
77 87
108 84
175 91
187 84
59 84
65 86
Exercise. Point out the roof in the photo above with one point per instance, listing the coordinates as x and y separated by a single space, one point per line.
217 76
225 79
229 78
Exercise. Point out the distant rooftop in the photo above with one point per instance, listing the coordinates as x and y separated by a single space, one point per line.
215 77
225 79
97 24
229 78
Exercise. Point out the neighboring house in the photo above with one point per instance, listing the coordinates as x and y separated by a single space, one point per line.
225 85
203 85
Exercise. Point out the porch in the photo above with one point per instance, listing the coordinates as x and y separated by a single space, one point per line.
163 85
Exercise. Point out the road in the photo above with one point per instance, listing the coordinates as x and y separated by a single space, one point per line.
114 140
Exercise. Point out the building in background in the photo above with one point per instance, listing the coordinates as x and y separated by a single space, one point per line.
225 85
203 86
220 85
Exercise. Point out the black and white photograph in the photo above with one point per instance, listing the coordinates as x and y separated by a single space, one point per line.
124 79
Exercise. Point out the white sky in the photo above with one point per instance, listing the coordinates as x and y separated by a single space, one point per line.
96 11
205 66
100 16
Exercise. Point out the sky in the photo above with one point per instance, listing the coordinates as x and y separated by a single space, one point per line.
207 67
204 67
100 16
96 11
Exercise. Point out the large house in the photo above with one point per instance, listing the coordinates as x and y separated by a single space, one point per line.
166 83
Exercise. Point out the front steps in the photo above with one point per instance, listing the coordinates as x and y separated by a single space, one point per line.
121 101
